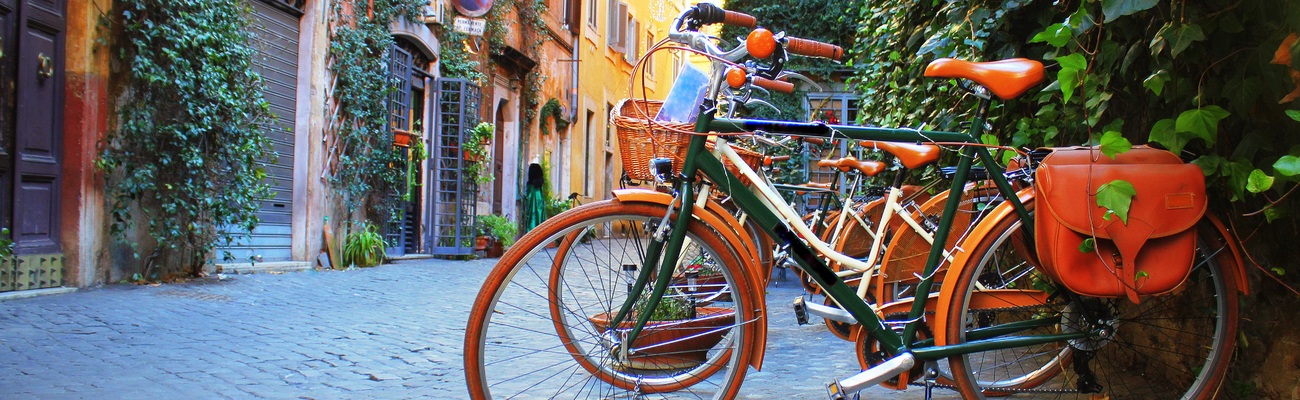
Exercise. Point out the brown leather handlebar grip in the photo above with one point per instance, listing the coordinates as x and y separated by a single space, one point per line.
816 141
813 48
780 86
739 19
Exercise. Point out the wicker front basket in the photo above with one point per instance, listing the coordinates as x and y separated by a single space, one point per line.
640 142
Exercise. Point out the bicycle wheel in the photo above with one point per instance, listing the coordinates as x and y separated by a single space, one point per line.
515 348
1172 346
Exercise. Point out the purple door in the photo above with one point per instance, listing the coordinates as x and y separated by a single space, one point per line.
36 150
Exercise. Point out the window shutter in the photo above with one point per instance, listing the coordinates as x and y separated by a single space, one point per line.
622 29
611 23
634 42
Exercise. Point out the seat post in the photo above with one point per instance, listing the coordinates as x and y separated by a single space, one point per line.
986 102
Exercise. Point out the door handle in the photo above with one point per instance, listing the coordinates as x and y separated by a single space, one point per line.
46 68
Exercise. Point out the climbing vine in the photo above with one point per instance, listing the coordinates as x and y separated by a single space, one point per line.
499 25
190 144
1210 80
553 110
369 169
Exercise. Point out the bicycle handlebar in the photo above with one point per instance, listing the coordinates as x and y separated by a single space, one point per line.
780 86
709 14
813 48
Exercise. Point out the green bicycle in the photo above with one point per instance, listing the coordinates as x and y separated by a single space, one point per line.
575 321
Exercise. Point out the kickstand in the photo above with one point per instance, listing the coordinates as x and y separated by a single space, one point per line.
931 374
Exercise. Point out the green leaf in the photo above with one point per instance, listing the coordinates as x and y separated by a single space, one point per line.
1183 36
1274 213
1141 274
1238 173
1293 114
1278 270
1072 73
1056 35
1288 165
1230 24
1242 93
1117 197
1202 122
1074 61
1258 181
1163 132
1209 163
1112 9
1088 245
1156 82
1113 143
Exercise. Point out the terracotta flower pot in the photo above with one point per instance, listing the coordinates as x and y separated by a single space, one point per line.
482 242
403 138
668 353
495 250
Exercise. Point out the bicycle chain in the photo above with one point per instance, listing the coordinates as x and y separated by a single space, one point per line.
903 314
1001 390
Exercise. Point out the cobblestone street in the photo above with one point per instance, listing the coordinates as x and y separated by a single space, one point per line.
393 331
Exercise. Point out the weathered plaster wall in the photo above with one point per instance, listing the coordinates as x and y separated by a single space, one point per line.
86 117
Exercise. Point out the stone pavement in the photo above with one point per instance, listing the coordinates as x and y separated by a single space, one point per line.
389 332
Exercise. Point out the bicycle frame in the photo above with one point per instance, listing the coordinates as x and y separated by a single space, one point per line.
699 161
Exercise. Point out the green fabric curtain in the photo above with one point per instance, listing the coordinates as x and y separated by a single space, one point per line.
534 207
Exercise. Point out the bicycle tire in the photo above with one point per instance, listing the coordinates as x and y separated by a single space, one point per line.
1173 346
513 346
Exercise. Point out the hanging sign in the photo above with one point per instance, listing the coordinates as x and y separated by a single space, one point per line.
474 27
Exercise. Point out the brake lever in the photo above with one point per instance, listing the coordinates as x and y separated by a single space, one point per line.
796 75
762 102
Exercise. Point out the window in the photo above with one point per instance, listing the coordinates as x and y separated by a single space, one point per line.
616 31
633 46
677 64
591 14
609 110
650 62
586 155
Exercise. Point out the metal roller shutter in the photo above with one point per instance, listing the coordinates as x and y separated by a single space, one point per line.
276 32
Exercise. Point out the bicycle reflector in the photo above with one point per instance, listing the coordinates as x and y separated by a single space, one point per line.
760 43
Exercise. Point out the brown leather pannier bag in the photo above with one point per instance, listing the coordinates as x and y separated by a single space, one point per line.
1151 255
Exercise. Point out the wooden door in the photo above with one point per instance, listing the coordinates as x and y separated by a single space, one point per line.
37 142
8 101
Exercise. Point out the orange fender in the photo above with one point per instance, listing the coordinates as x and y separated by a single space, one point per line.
1233 260
960 259
725 224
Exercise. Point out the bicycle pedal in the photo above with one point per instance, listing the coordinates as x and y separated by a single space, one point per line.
834 391
800 311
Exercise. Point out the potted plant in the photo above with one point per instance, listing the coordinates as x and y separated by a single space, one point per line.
403 138
500 230
681 334
364 246
475 149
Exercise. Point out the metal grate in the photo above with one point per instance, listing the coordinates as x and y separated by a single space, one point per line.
399 117
453 195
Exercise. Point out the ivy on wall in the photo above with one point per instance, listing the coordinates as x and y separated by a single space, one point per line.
1193 77
553 110
190 142
830 21
369 169
533 30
